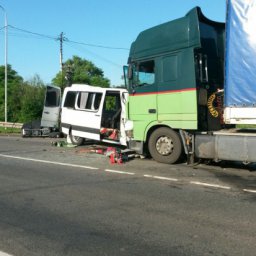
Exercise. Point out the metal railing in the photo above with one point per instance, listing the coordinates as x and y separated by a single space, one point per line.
10 125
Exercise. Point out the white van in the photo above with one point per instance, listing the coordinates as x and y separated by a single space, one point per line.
96 113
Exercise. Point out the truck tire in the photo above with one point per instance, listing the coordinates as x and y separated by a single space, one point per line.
165 146
76 140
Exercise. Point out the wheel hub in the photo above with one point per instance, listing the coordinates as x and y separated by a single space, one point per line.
164 146
76 138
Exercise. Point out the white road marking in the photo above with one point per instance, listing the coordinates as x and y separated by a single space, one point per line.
120 172
249 190
49 162
160 177
208 185
4 254
116 171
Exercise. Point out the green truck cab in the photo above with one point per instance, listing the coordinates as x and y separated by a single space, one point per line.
175 78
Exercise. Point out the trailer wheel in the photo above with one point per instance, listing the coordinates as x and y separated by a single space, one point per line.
76 140
165 146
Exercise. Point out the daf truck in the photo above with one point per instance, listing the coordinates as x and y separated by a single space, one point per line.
190 82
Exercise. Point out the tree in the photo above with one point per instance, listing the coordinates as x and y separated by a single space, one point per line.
25 99
32 102
81 71
13 94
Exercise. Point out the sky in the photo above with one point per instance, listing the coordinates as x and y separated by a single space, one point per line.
101 27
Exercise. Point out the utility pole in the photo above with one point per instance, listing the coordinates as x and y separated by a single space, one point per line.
69 72
61 38
6 63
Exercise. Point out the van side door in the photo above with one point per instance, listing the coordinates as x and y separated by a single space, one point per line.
50 115
85 119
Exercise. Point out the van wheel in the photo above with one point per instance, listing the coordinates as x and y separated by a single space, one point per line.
165 145
76 140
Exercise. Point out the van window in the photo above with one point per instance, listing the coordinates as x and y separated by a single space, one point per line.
82 100
70 100
89 100
97 100
52 99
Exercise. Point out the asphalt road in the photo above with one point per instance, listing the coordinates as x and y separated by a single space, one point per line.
66 201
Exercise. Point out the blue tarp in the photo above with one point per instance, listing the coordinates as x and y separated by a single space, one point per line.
240 72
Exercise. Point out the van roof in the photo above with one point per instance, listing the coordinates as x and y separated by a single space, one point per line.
86 87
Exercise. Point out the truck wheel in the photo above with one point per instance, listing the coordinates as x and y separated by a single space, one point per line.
165 146
76 140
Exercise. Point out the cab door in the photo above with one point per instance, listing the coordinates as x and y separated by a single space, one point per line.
143 97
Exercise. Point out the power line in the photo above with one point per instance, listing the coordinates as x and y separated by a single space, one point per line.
33 33
71 43
66 39
26 36
99 46
79 48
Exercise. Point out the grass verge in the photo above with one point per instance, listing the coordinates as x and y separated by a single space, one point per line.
6 130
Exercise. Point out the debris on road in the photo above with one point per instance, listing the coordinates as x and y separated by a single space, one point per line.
116 155
62 144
